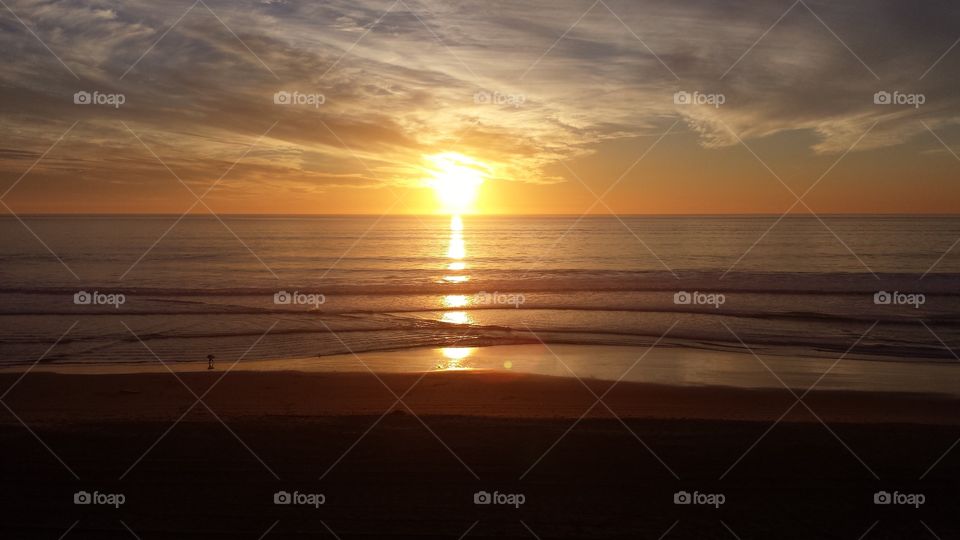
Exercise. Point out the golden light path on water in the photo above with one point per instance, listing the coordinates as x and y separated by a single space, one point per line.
455 300
456 317
453 357
457 253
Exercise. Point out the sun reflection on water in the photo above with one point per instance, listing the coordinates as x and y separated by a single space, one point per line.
456 317
455 300
457 267
456 252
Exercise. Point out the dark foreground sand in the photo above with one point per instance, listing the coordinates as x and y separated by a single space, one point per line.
406 475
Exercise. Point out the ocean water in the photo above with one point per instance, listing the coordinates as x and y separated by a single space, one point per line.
797 287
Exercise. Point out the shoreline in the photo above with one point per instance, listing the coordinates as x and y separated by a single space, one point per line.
665 366
62 400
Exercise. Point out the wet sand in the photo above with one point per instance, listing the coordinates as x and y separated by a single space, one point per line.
68 399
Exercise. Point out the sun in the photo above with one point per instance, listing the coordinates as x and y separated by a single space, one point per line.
455 178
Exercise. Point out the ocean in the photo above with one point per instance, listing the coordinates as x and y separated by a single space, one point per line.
327 285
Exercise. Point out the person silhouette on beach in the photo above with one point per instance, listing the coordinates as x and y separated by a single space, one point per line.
210 358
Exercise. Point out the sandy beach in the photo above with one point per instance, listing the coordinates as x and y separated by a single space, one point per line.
212 473
69 399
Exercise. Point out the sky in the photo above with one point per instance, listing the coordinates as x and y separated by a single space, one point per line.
564 107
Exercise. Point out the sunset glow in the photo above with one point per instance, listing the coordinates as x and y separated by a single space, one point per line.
455 178
451 258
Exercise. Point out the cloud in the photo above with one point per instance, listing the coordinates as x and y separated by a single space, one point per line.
202 92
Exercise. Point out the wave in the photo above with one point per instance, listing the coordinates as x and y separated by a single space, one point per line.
413 282
219 309
304 336
304 344
815 314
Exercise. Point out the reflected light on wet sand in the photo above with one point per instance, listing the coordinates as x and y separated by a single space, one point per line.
453 358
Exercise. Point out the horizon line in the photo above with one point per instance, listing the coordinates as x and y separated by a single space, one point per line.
481 215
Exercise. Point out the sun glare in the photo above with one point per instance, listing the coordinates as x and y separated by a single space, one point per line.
454 357
455 178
